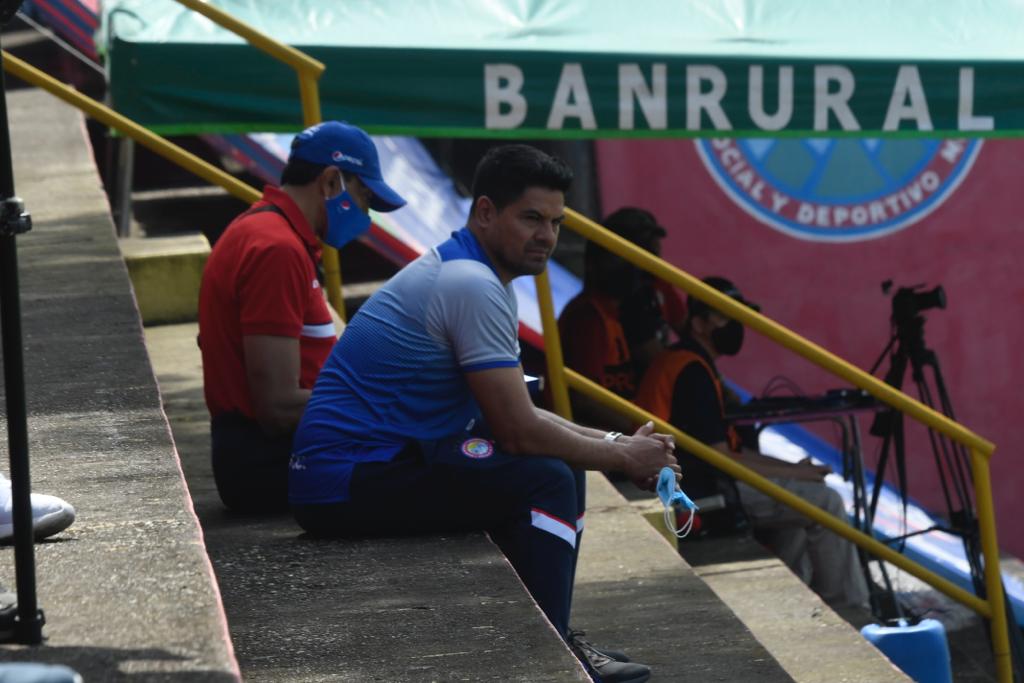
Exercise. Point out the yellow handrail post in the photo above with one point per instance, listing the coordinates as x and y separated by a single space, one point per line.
993 579
308 71
332 278
310 94
552 347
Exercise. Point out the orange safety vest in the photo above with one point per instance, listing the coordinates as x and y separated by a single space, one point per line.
617 373
659 382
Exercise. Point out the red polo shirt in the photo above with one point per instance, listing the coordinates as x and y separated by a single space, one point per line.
260 279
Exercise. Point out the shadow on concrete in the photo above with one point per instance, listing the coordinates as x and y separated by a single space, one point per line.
116 664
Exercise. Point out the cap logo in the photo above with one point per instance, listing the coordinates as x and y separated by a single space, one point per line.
346 205
337 155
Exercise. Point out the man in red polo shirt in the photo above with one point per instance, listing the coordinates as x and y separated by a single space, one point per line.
265 327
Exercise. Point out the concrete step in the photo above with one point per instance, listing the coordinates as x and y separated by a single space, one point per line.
168 211
165 274
634 591
128 591
810 641
410 609
784 614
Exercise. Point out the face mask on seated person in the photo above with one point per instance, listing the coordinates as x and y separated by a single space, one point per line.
641 317
345 220
728 339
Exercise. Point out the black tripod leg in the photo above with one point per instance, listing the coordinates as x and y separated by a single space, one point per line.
30 621
901 471
886 425
876 489
29 627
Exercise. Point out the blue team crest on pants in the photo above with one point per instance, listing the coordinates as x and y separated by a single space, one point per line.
477 448
838 189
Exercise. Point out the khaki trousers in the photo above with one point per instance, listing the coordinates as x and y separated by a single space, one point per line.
823 560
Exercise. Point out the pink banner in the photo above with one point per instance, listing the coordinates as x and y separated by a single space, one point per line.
810 229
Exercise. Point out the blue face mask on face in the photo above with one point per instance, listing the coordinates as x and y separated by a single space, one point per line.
345 220
672 497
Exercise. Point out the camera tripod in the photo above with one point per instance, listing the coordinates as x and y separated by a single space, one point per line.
907 348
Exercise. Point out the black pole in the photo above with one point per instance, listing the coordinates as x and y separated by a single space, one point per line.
13 221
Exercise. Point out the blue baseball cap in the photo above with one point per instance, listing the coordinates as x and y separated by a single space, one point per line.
334 143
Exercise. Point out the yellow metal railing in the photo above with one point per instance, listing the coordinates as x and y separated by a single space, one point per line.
129 128
981 450
308 71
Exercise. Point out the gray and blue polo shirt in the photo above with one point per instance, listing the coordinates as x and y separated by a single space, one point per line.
398 372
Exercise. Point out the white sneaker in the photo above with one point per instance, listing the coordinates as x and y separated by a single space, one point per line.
50 514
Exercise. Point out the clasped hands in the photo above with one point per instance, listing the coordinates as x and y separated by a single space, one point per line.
647 452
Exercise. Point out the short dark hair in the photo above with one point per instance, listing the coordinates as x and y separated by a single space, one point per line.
299 172
506 171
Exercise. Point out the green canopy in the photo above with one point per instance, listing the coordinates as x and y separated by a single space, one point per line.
576 68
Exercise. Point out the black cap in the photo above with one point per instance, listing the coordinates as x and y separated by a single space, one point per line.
697 307
636 225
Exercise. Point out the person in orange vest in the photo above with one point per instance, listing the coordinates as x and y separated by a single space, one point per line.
683 387
622 319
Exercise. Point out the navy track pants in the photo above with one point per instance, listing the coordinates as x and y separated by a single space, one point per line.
532 506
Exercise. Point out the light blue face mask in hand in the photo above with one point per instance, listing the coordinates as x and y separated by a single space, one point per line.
671 496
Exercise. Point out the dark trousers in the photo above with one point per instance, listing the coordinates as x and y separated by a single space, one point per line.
532 507
250 467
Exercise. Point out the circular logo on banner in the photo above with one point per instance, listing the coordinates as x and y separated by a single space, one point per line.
477 448
838 189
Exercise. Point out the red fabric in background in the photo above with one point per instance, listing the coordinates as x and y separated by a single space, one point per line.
831 294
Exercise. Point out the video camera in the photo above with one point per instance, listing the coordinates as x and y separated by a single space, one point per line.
909 302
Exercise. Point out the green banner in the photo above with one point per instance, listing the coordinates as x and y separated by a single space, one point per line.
176 74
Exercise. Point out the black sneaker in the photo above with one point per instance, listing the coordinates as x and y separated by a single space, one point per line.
575 635
606 669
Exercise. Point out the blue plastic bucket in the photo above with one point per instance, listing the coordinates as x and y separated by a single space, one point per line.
921 650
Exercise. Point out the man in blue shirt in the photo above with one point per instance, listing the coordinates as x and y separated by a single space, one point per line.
423 401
